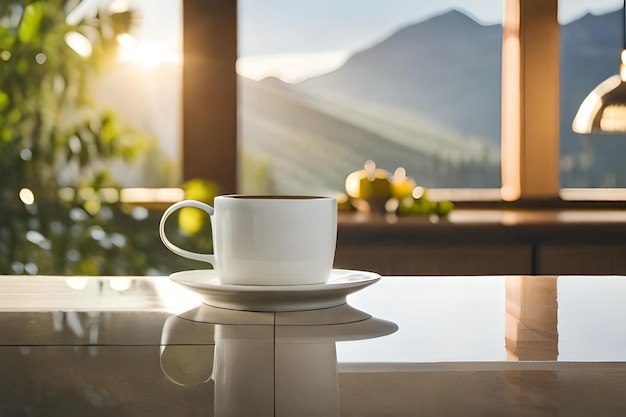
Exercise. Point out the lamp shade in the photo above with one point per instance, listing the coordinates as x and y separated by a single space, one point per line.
604 109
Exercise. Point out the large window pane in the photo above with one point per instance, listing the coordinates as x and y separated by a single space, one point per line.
591 42
327 85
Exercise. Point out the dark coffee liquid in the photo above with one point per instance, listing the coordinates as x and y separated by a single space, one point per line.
274 197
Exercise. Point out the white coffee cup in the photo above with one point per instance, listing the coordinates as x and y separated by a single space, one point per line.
267 240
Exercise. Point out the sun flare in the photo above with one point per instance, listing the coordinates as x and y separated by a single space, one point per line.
149 54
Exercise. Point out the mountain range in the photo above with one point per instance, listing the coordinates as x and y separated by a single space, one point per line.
444 68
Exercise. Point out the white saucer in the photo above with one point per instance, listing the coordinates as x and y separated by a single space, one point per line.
341 283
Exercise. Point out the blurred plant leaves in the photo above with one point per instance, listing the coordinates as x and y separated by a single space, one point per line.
59 208
4 100
31 22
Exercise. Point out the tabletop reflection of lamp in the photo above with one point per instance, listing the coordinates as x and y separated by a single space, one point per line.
604 109
265 363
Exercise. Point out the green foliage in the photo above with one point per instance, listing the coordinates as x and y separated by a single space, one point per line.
59 209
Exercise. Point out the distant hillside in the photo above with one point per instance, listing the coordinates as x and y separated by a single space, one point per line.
314 144
448 69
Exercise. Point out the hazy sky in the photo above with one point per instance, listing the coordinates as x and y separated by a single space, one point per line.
286 37
279 26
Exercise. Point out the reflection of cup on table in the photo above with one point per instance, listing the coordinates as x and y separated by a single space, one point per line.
267 240
265 364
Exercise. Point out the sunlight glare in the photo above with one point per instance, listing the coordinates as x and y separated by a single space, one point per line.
147 53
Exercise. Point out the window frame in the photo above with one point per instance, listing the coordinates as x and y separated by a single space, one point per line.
209 92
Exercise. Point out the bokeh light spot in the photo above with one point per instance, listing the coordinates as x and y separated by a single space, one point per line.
31 268
118 240
139 213
92 207
38 239
27 196
79 43
26 154
109 195
97 233
75 144
17 267
67 194
77 214
72 255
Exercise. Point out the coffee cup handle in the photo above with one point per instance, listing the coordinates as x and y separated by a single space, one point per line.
210 258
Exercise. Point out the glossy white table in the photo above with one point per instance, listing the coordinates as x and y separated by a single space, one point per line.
405 346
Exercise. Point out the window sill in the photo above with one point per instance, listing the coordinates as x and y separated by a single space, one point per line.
467 198
151 196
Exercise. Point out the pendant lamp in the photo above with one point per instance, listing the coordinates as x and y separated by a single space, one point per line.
604 109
